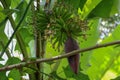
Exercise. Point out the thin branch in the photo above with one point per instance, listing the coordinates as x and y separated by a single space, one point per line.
19 65
7 51
16 28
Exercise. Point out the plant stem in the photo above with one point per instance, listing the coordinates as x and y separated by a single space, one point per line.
15 30
19 65
7 51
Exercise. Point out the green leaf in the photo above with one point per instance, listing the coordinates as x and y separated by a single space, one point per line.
3 37
15 3
93 34
115 7
32 48
26 35
100 8
3 74
8 2
105 9
28 70
13 60
60 70
116 32
81 76
88 7
56 76
116 64
69 74
2 15
105 58
14 74
117 78
50 51
82 3
91 40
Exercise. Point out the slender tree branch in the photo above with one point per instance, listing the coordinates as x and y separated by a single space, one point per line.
7 51
19 65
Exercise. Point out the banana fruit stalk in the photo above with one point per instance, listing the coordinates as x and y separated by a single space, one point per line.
71 45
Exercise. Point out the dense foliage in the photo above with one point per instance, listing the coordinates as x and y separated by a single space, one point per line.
32 29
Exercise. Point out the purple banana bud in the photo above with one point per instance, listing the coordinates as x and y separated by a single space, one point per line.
71 45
